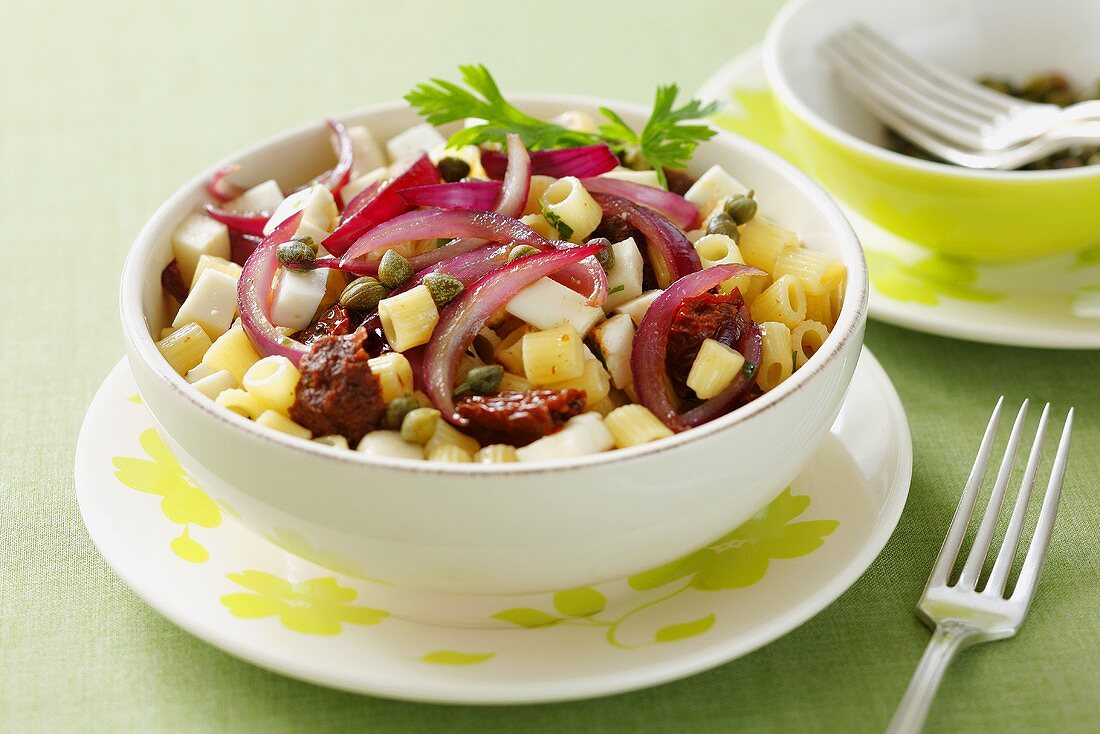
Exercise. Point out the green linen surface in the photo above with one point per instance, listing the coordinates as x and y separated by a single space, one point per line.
106 107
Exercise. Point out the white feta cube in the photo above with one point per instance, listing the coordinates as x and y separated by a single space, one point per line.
367 154
264 197
546 304
635 308
585 434
389 443
624 279
615 338
712 189
359 184
212 303
297 297
417 139
214 383
645 178
317 205
198 235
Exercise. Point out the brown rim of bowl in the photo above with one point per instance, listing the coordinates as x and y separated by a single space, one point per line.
852 316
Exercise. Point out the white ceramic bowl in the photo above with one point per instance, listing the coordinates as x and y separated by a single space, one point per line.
511 528
983 215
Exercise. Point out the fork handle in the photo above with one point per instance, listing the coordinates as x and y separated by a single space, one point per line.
947 640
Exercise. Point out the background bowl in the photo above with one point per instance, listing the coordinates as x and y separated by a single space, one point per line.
983 215
510 528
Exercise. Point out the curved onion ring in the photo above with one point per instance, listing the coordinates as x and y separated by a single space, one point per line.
476 195
674 207
648 353
517 179
245 222
375 205
221 191
335 179
437 223
254 295
467 315
670 250
587 160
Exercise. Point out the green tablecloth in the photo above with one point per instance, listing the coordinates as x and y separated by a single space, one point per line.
106 107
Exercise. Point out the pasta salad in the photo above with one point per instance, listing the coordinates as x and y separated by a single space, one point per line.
525 290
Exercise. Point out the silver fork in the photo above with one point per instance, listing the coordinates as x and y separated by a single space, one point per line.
959 613
948 105
870 92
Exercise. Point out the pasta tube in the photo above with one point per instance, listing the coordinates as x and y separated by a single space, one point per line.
776 359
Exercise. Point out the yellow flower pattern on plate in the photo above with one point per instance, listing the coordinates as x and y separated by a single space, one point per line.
318 606
737 560
183 502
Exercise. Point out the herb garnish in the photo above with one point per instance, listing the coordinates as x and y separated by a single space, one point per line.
564 230
664 141
616 289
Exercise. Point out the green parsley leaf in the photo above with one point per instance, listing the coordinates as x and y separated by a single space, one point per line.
665 141
616 289
748 370
564 230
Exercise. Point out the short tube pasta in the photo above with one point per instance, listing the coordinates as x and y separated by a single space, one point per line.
819 272
715 367
570 209
718 249
273 381
820 309
184 347
783 301
762 240
776 360
806 339
634 424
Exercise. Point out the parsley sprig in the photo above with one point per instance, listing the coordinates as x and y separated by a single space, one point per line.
665 141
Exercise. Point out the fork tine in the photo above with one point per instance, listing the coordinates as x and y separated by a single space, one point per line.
1040 541
949 551
982 97
974 562
916 97
995 586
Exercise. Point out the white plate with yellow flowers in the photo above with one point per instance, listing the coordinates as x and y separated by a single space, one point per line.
1052 302
279 603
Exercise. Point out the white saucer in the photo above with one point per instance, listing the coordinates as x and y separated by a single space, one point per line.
1051 302
195 564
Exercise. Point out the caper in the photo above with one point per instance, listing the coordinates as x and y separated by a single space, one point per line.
394 269
721 223
606 258
453 169
363 294
484 380
521 251
419 425
741 209
296 253
444 288
397 410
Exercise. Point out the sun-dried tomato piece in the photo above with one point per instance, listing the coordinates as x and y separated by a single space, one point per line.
679 181
337 393
171 280
702 317
518 418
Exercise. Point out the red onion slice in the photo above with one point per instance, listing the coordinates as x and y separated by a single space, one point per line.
666 242
588 160
335 179
517 179
474 195
244 222
380 204
466 316
674 207
438 223
648 354
254 295
221 191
